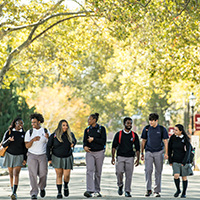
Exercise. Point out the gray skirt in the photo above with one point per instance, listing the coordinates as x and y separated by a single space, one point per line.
13 160
185 170
64 163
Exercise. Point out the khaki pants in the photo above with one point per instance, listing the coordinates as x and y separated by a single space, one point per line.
124 165
155 158
37 166
94 162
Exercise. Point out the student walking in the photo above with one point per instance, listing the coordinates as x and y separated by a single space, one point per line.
153 136
94 142
15 156
36 141
179 149
124 141
59 154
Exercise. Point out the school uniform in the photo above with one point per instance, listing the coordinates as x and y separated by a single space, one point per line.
16 151
179 154
94 159
125 157
154 151
37 160
60 152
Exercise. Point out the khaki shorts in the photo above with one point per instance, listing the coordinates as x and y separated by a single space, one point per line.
182 170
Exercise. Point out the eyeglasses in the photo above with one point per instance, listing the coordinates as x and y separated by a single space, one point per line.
21 123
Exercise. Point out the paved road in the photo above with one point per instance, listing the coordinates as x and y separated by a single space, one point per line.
108 185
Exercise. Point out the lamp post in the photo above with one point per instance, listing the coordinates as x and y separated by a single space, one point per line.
167 118
192 101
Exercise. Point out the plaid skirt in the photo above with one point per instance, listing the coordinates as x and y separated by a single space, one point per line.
13 160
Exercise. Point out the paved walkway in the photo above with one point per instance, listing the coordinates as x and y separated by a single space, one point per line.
109 188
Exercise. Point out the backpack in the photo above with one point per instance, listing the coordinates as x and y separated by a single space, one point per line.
120 136
99 130
192 153
31 131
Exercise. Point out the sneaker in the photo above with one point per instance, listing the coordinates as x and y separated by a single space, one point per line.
34 196
98 194
177 193
127 194
148 193
66 191
59 196
42 193
156 194
13 196
87 194
183 195
120 190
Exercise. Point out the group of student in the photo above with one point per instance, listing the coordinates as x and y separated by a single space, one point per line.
37 147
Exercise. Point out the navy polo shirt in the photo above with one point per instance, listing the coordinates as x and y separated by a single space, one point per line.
153 136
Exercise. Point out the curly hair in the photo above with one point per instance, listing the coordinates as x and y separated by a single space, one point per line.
37 116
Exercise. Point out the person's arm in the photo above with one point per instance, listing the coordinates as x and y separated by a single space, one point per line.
166 148
29 144
187 153
113 156
142 148
114 146
137 147
170 150
73 140
85 142
6 139
144 140
101 140
49 147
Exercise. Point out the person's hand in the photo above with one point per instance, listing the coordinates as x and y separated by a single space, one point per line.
113 161
72 145
137 162
90 139
24 162
11 138
50 161
170 164
87 149
46 135
142 157
36 138
166 156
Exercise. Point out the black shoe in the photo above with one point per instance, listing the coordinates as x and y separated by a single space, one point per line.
120 190
34 196
156 194
127 194
13 196
177 193
87 194
183 195
148 193
42 193
98 194
59 196
66 191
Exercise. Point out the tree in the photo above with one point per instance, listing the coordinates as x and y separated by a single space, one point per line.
56 103
12 106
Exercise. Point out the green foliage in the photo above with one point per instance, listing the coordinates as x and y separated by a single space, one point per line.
12 106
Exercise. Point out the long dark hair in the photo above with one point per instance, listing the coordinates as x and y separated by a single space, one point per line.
181 128
12 125
59 131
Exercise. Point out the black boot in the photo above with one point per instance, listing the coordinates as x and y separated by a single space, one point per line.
185 184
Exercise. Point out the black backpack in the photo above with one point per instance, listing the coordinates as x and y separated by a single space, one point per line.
31 131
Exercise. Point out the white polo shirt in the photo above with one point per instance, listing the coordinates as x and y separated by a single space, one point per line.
38 147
